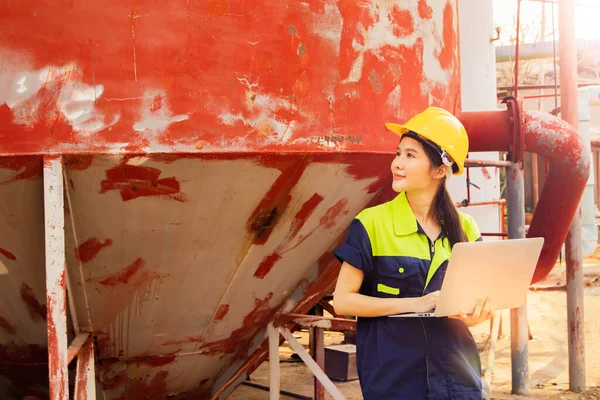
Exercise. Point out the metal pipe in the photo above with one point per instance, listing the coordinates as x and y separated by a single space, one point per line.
573 251
539 96
569 161
469 163
515 201
499 234
56 296
516 71
318 353
537 87
274 377
535 178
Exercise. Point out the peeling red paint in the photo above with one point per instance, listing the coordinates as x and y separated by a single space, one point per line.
334 212
134 181
266 265
447 55
29 167
36 310
7 326
305 211
273 204
425 11
89 249
239 339
113 381
8 254
221 312
57 385
124 275
402 21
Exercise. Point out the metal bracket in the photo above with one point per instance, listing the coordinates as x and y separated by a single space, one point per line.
517 148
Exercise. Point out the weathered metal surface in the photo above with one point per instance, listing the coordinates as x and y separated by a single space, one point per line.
244 137
56 289
185 76
85 384
573 250
519 348
560 144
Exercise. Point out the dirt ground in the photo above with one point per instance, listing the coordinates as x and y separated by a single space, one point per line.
548 351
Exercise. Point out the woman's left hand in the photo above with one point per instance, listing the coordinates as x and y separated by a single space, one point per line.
483 312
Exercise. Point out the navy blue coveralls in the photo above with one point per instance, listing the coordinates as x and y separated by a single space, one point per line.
408 358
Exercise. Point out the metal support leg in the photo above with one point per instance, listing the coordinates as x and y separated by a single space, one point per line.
575 306
85 387
274 362
515 201
318 353
312 365
55 278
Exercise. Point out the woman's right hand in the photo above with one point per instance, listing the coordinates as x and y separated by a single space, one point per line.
426 303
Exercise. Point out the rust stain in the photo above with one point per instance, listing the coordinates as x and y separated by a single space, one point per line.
140 388
222 312
7 326
273 204
36 310
125 274
89 249
8 254
266 265
137 181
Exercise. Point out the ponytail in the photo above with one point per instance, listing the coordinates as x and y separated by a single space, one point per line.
447 215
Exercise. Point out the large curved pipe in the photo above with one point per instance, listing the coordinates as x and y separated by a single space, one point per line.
557 142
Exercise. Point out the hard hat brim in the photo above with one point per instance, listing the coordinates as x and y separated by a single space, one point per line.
400 130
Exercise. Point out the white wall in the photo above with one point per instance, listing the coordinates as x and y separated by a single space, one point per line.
478 81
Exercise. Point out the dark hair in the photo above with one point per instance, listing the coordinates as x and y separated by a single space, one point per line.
446 212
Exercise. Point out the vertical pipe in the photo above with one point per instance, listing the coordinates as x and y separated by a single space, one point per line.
516 72
318 352
573 252
56 296
274 381
85 386
515 202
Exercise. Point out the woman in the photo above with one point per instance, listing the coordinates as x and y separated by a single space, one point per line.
394 260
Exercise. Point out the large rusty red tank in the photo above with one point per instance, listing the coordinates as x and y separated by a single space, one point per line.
214 154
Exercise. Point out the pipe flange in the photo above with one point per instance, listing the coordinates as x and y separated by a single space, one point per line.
517 147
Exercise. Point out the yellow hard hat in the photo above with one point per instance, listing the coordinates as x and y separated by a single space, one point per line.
440 127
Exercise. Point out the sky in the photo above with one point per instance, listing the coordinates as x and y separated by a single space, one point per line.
587 19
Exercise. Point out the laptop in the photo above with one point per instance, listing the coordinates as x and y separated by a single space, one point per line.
501 269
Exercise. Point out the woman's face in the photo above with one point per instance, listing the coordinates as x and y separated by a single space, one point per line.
411 168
